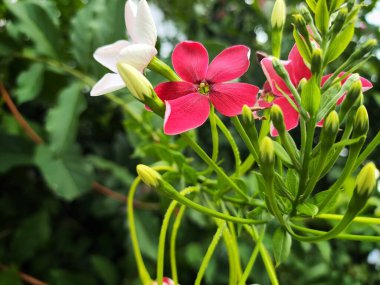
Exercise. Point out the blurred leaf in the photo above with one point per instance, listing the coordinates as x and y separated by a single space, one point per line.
29 83
281 153
69 175
308 209
30 236
38 24
148 228
105 269
302 46
14 151
10 277
62 120
319 200
312 4
340 43
322 16
282 242
292 181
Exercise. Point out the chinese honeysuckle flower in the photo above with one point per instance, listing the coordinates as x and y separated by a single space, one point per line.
297 70
165 281
137 52
188 101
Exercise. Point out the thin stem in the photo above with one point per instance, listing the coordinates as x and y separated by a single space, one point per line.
214 134
173 238
361 220
369 149
209 252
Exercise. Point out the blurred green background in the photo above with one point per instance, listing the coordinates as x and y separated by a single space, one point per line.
59 219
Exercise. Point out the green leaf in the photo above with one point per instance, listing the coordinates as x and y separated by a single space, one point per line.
105 269
68 175
311 96
282 242
340 43
281 188
302 46
31 235
334 4
282 153
322 16
62 120
29 83
38 23
307 209
15 151
319 199
312 4
292 181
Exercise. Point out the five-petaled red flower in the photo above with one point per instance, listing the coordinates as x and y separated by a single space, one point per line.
188 101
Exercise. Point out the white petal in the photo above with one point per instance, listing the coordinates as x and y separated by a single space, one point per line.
109 55
145 31
130 13
107 84
138 55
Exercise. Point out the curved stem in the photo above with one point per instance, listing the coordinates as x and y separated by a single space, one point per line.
173 238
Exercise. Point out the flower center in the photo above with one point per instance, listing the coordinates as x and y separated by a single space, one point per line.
204 88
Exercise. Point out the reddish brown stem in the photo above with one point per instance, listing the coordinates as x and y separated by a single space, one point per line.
18 117
26 277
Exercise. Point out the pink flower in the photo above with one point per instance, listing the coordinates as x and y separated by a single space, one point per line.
165 281
297 71
188 101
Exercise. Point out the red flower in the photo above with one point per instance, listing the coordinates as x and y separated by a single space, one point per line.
188 101
297 71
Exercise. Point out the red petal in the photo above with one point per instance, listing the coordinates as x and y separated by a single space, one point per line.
273 78
174 90
291 116
229 98
230 64
185 113
190 61
299 68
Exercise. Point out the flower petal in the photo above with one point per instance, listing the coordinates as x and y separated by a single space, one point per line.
138 55
130 13
107 84
109 55
190 61
291 116
229 98
299 68
230 64
144 30
273 78
174 90
185 113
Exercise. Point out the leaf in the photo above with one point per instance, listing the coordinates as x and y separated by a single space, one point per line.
311 96
62 120
14 151
319 200
292 181
68 175
340 43
302 46
38 24
105 269
312 4
29 83
322 16
307 209
281 189
282 154
30 236
282 242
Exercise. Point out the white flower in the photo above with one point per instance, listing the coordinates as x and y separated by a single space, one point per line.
137 52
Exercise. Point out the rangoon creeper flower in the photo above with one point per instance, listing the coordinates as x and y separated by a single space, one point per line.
188 101
165 281
137 52
297 71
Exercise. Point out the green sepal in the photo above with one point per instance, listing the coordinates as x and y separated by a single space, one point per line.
282 243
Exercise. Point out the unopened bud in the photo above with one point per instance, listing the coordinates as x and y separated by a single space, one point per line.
247 115
148 175
316 61
352 97
361 122
136 82
339 20
267 151
278 15
306 14
366 180
329 131
366 48
300 24
279 68
278 119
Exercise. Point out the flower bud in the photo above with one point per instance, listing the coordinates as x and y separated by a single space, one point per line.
279 68
352 96
329 131
366 180
361 122
267 151
364 49
247 115
148 175
278 15
278 119
339 20
300 24
316 61
306 14
136 82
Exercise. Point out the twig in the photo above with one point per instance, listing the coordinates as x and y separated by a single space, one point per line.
19 118
124 199
25 277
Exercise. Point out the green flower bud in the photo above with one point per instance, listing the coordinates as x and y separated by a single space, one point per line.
329 131
148 175
278 119
316 61
267 151
352 96
278 15
136 82
361 122
306 14
366 180
339 20
363 50
247 115
279 68
300 24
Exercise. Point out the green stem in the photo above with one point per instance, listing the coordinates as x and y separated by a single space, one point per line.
362 220
247 164
173 238
162 68
214 134
231 141
209 253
